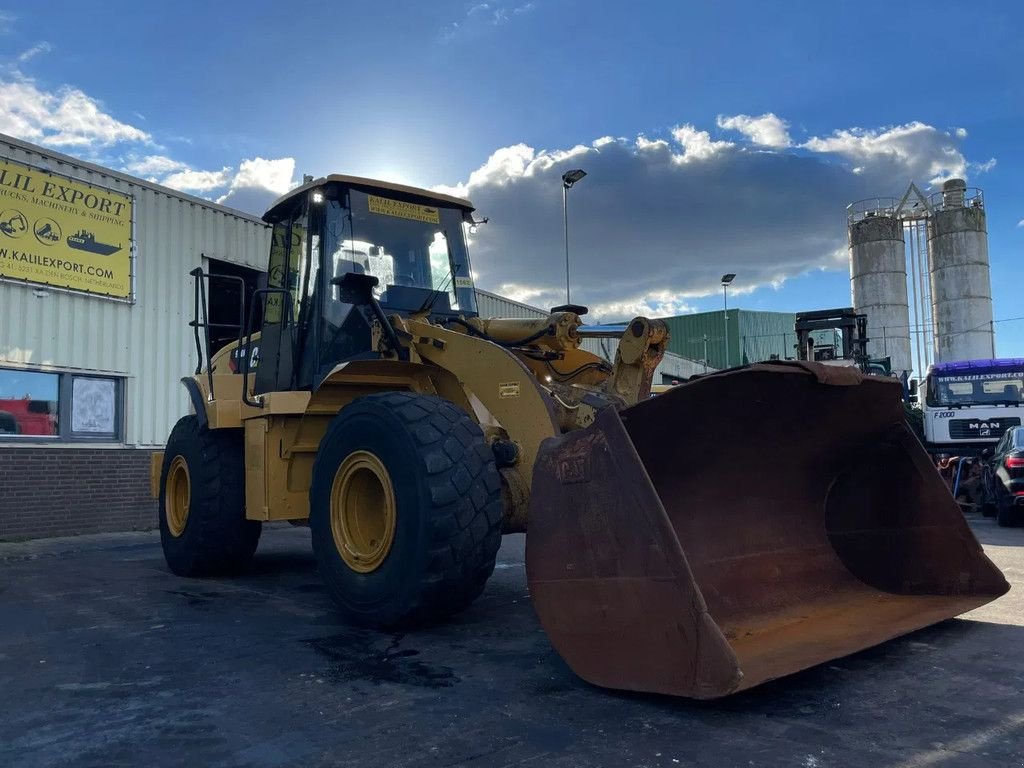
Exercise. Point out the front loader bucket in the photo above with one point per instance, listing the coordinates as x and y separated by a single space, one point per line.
742 527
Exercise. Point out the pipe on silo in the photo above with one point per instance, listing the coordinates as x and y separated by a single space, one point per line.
961 285
878 283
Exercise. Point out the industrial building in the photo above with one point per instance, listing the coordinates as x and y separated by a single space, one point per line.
919 270
737 336
95 300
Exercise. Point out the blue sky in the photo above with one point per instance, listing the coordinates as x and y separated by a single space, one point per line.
718 136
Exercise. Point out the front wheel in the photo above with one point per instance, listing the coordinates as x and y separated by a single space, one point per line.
405 509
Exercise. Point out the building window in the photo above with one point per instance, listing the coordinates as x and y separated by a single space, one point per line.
93 406
59 406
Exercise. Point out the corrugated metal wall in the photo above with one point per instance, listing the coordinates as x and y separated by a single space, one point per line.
753 336
763 334
492 305
149 343
692 336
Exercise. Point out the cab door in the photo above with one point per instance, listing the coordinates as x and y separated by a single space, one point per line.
288 268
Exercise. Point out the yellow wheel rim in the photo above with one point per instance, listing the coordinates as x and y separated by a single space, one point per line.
363 511
177 496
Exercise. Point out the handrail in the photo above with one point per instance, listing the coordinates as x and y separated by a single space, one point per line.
201 305
964 197
870 207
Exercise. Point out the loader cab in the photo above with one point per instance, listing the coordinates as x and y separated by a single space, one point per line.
405 247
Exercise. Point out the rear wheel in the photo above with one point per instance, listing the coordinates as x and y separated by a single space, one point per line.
405 509
986 500
1007 515
987 505
203 529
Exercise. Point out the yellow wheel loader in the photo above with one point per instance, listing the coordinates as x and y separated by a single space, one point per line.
739 527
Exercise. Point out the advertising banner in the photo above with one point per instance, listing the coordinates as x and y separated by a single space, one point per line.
63 233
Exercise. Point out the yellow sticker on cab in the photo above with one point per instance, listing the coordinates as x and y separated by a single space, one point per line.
401 210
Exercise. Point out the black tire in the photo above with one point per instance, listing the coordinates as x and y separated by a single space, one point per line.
216 539
448 504
1007 515
987 506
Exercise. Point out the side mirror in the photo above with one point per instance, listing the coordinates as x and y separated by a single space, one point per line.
355 288
912 391
986 453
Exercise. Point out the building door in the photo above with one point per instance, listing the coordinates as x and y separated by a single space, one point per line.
230 300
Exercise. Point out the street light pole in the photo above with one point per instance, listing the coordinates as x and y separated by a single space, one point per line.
565 223
568 179
726 279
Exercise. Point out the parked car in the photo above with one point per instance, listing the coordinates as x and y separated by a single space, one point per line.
1003 478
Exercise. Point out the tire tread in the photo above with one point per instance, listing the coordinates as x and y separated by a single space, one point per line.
463 501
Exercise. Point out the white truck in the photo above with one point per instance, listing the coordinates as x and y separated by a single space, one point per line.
968 405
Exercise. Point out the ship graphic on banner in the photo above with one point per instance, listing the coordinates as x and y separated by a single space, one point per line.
84 240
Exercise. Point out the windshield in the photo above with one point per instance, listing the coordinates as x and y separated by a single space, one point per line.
994 388
405 246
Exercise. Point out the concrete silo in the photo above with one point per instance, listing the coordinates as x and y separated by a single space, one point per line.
878 280
961 288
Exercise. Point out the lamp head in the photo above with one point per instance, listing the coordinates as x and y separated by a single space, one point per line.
571 177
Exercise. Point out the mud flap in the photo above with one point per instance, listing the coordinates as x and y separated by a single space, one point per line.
742 527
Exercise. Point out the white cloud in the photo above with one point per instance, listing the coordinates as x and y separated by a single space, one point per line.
69 119
251 188
697 145
767 130
258 183
198 181
643 143
63 118
480 16
985 167
657 221
924 151
654 304
36 50
153 165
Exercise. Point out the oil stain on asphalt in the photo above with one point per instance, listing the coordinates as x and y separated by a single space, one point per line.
353 656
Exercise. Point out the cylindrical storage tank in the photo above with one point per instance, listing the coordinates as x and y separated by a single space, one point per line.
960 283
878 282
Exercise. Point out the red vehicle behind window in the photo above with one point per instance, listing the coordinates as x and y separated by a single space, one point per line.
28 417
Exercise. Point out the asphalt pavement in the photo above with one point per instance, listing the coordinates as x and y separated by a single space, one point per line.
107 659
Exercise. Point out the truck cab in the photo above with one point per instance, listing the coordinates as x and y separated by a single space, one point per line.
968 405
